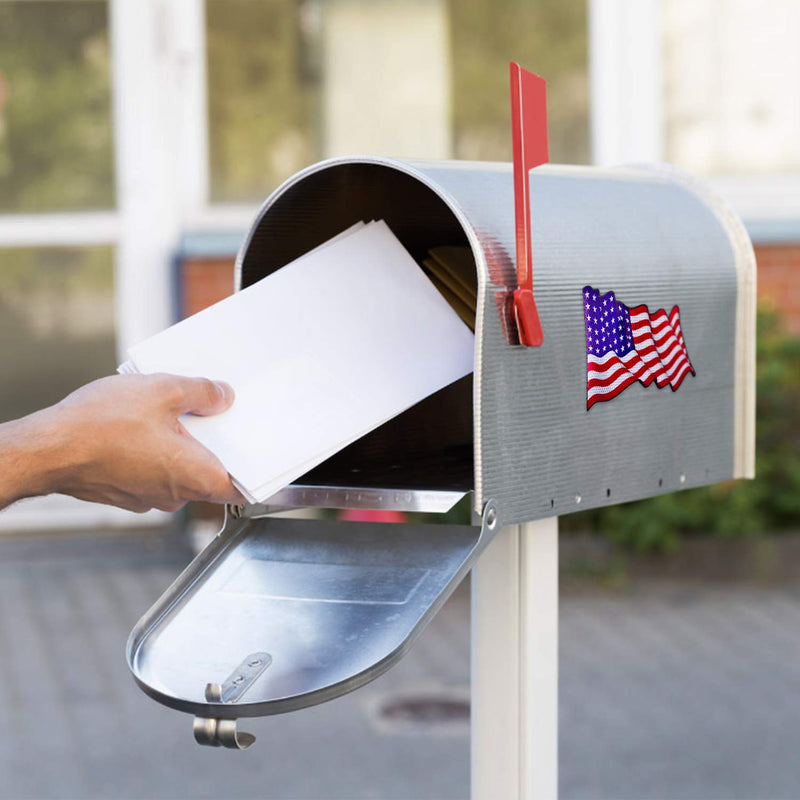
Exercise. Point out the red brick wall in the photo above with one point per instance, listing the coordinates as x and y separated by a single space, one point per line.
205 281
779 280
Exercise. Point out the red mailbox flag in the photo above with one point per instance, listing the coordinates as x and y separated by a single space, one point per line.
529 132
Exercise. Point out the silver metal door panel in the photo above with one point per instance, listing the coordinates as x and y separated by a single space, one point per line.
330 606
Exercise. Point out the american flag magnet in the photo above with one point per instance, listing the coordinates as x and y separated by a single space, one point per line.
625 345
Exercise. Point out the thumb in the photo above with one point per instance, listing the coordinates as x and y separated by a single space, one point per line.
205 474
204 397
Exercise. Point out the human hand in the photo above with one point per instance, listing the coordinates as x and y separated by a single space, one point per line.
119 441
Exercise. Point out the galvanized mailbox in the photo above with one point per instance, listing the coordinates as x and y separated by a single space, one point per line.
643 384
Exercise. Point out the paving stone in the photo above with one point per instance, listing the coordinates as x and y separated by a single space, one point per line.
668 690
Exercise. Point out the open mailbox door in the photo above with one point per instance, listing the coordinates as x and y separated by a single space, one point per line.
278 614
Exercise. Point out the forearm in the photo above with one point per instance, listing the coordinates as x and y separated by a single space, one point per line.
31 457
119 441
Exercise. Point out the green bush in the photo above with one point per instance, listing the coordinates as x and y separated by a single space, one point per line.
769 503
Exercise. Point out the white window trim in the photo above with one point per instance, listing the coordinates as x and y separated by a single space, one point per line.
58 511
627 114
762 198
625 79
161 154
78 229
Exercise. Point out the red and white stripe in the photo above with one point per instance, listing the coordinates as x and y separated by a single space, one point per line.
660 355
608 375
659 341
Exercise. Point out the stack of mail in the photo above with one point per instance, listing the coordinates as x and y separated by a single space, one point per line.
452 271
319 353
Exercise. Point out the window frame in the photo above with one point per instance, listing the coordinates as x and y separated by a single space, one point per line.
626 75
158 94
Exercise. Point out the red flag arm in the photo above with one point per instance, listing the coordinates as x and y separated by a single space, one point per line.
529 135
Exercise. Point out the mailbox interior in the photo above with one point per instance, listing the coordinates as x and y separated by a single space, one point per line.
430 446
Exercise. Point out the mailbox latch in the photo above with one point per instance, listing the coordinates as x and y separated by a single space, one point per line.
215 732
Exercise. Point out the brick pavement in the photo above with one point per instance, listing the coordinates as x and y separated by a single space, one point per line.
667 691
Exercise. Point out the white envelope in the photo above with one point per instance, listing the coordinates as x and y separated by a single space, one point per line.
319 353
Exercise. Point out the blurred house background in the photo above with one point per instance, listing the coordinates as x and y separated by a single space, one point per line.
137 140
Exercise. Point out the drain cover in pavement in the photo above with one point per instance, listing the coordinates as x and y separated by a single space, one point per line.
444 710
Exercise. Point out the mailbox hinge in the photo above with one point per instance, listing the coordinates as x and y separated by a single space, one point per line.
489 521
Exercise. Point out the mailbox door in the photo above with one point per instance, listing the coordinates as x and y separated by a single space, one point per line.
281 613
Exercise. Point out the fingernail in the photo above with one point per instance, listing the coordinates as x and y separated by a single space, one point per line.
225 390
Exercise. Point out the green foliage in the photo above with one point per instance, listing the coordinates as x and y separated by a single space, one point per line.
56 323
265 86
56 144
547 37
769 503
55 127
26 270
261 96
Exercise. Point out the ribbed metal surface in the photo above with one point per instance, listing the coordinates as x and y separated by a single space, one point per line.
651 241
643 234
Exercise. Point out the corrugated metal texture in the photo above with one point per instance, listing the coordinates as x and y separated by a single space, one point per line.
745 344
648 239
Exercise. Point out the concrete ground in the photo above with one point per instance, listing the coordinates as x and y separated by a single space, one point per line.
668 690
